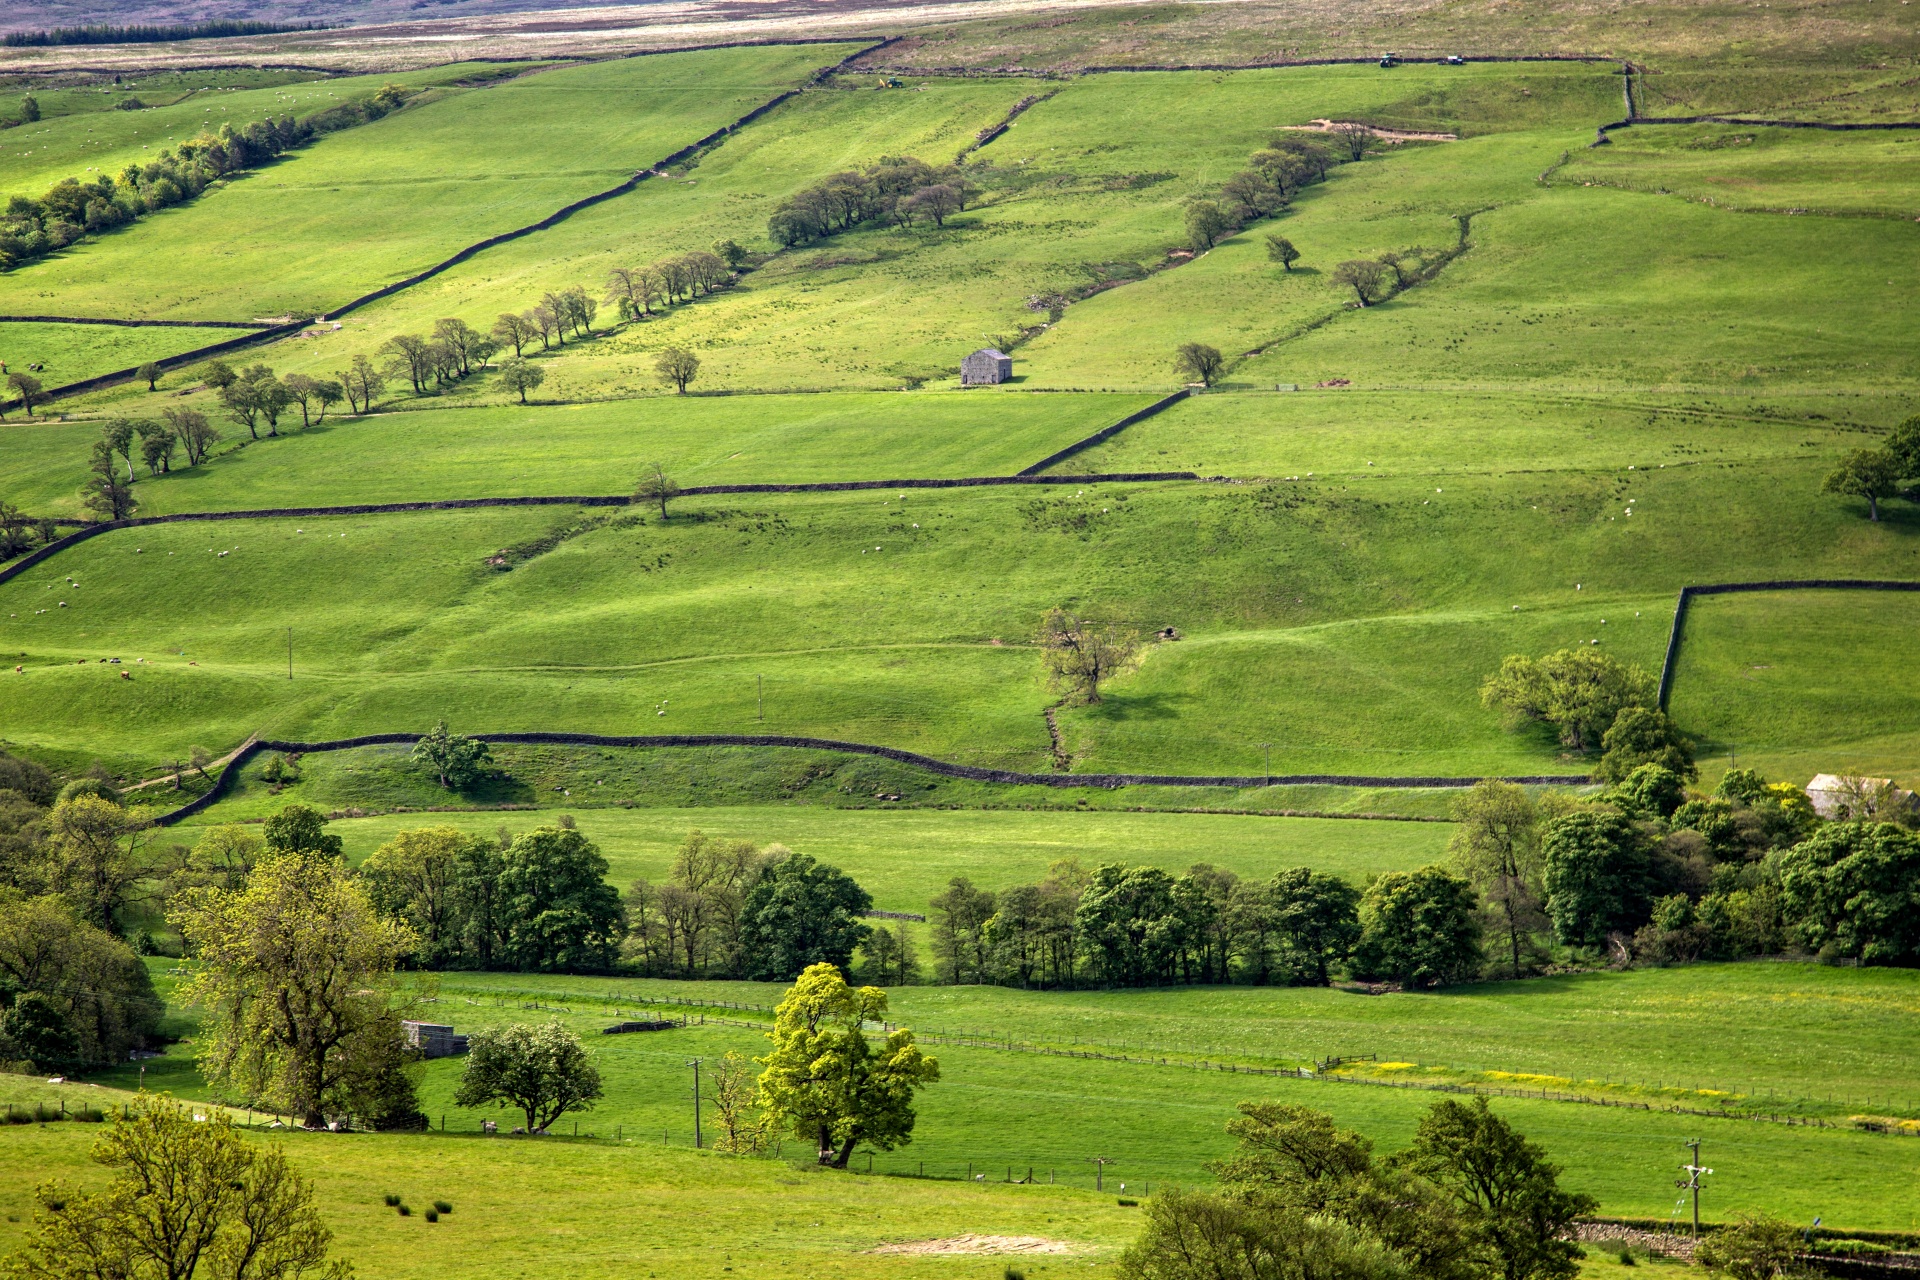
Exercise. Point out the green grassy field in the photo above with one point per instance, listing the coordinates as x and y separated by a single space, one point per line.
81 134
1767 677
73 352
1738 167
1355 434
1000 1109
560 1208
879 308
358 209
582 449
866 627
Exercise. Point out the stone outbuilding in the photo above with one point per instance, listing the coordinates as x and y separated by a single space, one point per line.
434 1040
985 368
1843 796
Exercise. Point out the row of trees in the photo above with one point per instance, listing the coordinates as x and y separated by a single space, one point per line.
896 190
1874 474
73 207
1273 176
637 291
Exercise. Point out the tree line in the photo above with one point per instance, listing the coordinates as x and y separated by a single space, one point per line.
1273 176
75 207
154 33
894 191
637 291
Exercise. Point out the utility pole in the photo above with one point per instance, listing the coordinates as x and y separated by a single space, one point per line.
695 1064
1691 1182
1269 750
1099 1164
760 688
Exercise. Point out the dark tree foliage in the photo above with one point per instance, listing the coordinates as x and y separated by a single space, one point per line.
801 913
1418 928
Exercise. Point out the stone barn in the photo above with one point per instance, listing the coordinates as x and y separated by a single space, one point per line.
985 367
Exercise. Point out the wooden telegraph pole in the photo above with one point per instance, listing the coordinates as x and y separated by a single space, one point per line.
1691 1182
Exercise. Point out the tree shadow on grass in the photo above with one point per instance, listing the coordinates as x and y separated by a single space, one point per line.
1144 706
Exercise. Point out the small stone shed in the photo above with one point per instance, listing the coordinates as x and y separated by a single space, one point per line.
985 368
434 1040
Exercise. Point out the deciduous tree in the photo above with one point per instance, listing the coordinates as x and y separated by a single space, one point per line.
677 367
1078 654
196 435
296 977
1281 250
656 486
1496 846
187 1199
28 389
1198 362
800 913
1872 474
1505 1186
455 760
540 1068
363 384
1580 691
521 376
825 1081
560 914
1595 877
1418 928
1366 277
150 374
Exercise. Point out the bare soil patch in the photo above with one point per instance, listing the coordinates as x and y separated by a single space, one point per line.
978 1244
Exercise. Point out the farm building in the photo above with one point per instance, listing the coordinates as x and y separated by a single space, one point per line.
434 1040
985 368
1839 796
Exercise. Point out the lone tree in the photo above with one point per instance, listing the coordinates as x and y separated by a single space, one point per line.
519 375
677 367
1497 847
1872 474
657 486
29 389
456 760
150 373
543 1070
1281 250
1369 279
1198 362
1080 654
187 1199
826 1081
296 975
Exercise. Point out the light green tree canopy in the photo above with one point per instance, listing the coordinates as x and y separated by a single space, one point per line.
825 1081
541 1069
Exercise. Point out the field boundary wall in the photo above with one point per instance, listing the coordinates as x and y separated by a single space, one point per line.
26 562
1669 668
230 775
270 333
140 324
1106 433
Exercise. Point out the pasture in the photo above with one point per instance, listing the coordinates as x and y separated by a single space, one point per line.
364 207
903 618
997 1109
599 447
72 353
